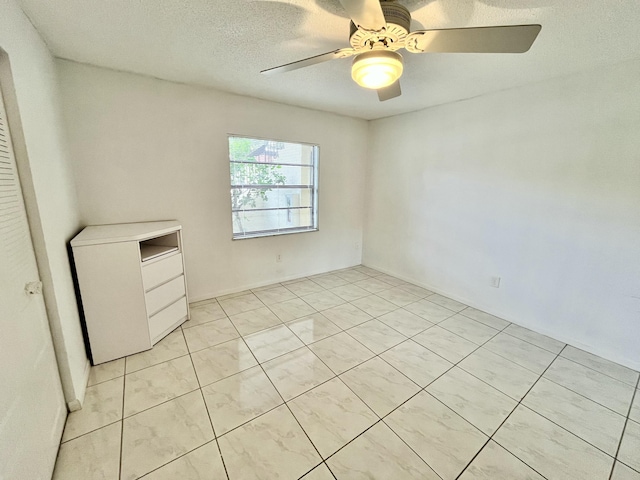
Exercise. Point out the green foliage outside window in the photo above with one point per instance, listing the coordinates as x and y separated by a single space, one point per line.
250 172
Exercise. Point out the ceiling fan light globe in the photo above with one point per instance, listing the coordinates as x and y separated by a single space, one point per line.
377 68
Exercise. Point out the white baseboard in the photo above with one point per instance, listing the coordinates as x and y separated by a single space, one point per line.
75 404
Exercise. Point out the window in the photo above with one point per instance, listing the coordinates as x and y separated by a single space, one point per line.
274 187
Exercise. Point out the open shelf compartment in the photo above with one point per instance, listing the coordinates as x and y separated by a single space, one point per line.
159 246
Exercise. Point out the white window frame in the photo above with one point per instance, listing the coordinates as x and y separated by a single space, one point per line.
314 227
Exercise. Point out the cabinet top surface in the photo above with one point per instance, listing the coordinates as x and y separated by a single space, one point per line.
123 232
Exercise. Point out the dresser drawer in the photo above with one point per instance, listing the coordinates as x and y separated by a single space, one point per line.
164 295
167 318
161 271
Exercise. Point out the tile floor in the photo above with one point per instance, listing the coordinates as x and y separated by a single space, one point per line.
354 374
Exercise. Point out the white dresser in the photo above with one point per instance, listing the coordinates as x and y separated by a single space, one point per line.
132 285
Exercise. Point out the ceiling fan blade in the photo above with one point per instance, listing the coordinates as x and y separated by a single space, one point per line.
324 57
366 14
505 39
392 91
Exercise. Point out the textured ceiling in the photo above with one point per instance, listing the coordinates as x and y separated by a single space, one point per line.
225 43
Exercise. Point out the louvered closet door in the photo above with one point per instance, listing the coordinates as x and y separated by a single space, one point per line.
32 408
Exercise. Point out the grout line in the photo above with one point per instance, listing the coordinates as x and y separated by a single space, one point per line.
206 407
177 458
624 429
584 396
288 408
124 386
507 417
598 371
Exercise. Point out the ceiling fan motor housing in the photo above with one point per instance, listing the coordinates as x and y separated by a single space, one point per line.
398 25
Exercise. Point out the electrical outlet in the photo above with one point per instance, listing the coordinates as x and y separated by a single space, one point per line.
278 258
495 282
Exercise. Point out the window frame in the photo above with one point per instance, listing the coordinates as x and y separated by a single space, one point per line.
314 190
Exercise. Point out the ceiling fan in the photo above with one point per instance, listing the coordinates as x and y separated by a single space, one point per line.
379 28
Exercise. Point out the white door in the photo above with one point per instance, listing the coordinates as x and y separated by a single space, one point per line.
32 408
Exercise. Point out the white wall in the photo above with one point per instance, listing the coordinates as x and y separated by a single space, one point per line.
28 75
539 185
145 149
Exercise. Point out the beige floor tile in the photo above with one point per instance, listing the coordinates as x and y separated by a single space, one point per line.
161 434
379 385
446 344
473 331
416 290
154 385
210 334
523 353
170 347
372 285
332 415
500 373
429 310
328 281
622 472
254 320
376 336
274 295
494 463
270 446
204 313
393 281
321 472
405 322
215 363
416 362
323 300
398 296
297 372
346 316
203 463
102 406
472 399
313 327
240 304
233 295
341 352
601 365
589 420
441 437
485 318
630 446
537 339
598 387
352 276
349 292
94 455
272 342
304 287
106 371
240 398
446 302
367 271
292 309
551 450
379 454
374 305
634 413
